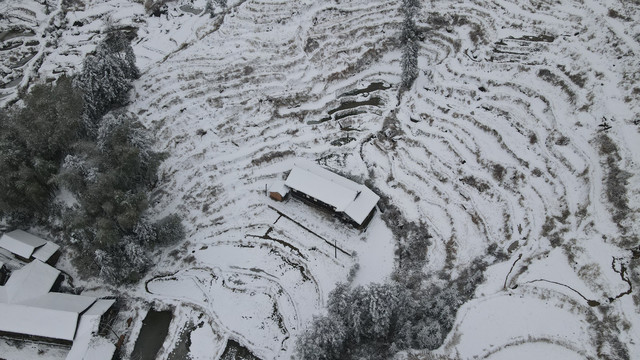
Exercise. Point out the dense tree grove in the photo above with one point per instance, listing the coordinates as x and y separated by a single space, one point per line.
33 141
75 135
110 179
411 311
408 312
376 321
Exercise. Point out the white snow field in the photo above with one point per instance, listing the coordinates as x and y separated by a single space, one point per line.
497 143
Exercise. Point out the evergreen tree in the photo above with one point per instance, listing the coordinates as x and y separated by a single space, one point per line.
110 177
106 77
208 8
33 141
117 45
409 41
325 340
409 60
378 320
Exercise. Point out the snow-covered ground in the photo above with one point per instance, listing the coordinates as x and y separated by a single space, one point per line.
498 144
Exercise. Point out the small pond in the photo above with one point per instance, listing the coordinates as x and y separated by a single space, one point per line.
155 327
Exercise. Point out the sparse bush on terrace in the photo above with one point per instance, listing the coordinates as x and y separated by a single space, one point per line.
616 179
409 43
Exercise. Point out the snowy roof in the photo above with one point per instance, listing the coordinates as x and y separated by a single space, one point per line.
100 349
44 253
85 345
61 302
279 187
344 195
33 280
21 243
362 205
99 307
22 319
27 306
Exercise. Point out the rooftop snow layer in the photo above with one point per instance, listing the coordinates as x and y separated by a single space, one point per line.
279 187
33 280
21 243
61 302
22 319
85 345
344 195
361 206
45 252
27 306
99 307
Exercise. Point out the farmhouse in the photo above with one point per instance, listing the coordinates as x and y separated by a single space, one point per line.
28 308
351 201
28 247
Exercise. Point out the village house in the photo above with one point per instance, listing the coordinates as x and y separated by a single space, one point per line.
353 202
28 247
31 310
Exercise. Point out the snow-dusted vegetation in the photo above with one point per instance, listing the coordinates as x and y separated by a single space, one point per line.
502 137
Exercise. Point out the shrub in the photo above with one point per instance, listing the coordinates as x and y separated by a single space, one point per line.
169 230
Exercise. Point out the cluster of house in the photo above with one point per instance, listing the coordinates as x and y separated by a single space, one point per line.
31 309
353 202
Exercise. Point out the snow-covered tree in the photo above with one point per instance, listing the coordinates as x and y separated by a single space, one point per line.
209 8
371 311
409 43
377 320
34 139
106 77
409 62
110 177
169 230
430 336
339 300
325 340
116 44
125 261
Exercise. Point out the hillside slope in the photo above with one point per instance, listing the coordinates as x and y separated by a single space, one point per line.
518 143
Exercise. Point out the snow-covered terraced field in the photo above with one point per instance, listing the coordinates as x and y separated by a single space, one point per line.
522 119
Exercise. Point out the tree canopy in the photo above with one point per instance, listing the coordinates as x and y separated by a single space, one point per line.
106 77
33 140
